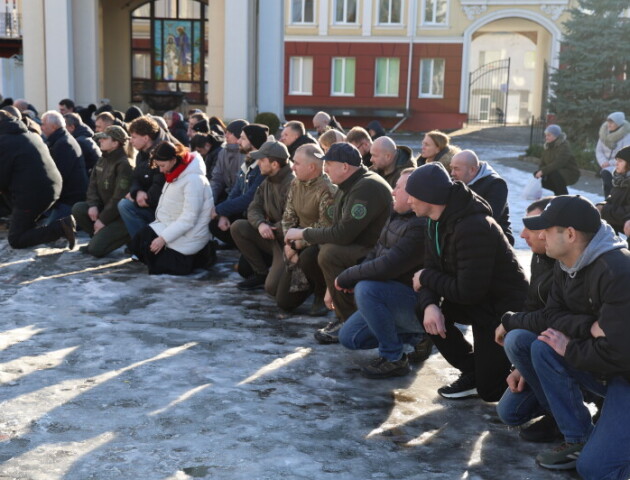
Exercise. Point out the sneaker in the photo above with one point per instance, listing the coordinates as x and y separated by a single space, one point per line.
383 368
544 430
253 282
330 333
318 309
421 351
69 230
562 457
464 387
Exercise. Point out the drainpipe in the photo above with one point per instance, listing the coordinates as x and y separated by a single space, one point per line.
413 21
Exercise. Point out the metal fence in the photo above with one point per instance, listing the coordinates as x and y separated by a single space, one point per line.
10 25
537 130
488 88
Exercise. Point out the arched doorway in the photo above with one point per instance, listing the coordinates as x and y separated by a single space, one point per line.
531 42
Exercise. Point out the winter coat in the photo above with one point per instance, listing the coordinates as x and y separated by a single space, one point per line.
91 151
362 206
28 174
147 178
225 173
557 156
398 254
269 201
302 140
68 157
468 260
444 156
609 143
594 289
183 212
493 189
180 132
109 183
539 282
309 204
242 193
211 161
379 131
404 159
617 207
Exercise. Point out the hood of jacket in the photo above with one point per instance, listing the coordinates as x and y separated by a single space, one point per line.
12 127
485 170
404 157
463 202
83 131
604 241
559 140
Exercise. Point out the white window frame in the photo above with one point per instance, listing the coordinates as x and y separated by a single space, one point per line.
389 21
302 22
431 94
343 78
389 59
345 13
431 22
292 65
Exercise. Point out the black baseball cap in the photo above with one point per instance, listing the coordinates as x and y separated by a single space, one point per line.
342 152
567 211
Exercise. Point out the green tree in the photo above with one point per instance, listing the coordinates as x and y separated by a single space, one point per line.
594 75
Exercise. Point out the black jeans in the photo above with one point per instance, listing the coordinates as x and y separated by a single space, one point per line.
23 229
167 260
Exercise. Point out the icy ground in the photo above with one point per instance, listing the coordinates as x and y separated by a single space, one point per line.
107 373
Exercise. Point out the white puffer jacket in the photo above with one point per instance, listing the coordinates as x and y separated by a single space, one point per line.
183 212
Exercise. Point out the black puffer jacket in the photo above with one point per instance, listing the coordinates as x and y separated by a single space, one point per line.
68 157
91 151
468 259
28 174
539 283
147 179
398 254
617 207
580 296
302 140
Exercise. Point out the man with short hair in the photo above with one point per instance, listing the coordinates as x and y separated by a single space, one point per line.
308 205
382 285
388 160
294 136
66 106
482 179
261 233
470 276
360 138
193 120
361 208
579 340
137 209
68 157
103 120
32 182
84 137
322 121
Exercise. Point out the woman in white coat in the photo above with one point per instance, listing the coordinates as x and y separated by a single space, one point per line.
614 134
174 243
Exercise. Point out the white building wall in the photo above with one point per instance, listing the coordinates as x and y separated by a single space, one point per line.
85 51
270 58
238 91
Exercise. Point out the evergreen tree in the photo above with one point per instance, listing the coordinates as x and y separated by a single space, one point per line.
594 75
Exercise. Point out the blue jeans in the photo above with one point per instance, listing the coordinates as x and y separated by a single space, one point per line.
385 318
135 217
555 384
57 212
606 455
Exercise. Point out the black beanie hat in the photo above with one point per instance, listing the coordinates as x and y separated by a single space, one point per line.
236 126
624 154
257 134
202 126
430 183
132 113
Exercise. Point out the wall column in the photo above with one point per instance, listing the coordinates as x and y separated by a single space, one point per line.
85 51
270 68
59 51
34 47
238 91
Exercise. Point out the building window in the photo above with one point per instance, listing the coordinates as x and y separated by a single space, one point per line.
301 76
345 11
434 12
387 77
432 78
389 11
168 48
302 11
343 72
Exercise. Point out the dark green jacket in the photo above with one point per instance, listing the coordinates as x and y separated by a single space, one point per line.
557 156
109 183
362 206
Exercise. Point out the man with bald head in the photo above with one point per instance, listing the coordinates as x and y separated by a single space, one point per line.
322 122
388 160
482 179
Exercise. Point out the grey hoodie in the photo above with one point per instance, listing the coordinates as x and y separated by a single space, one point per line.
485 170
604 241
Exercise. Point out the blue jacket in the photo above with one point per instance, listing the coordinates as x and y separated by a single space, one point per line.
242 193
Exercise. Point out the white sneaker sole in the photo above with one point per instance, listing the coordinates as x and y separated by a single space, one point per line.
463 394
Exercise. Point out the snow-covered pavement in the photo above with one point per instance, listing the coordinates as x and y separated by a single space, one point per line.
107 373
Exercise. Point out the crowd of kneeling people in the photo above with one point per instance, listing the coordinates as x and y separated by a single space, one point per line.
316 218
